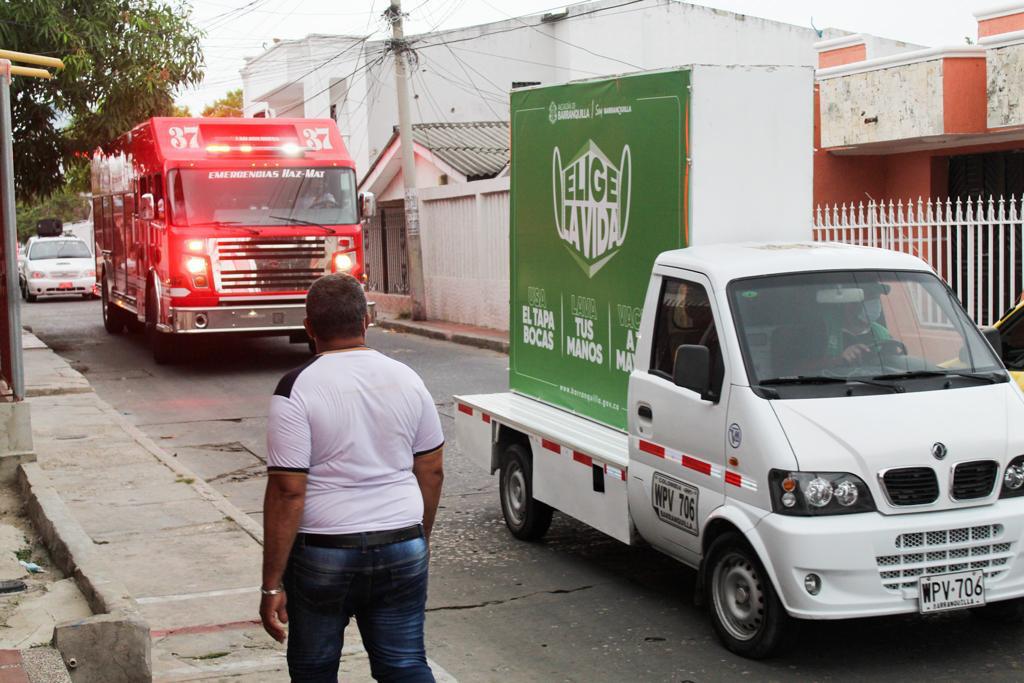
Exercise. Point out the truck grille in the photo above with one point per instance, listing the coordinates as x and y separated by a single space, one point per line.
269 264
937 552
974 479
911 486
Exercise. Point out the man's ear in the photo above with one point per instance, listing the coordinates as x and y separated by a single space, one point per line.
366 322
309 328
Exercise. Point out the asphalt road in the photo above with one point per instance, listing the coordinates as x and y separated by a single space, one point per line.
575 607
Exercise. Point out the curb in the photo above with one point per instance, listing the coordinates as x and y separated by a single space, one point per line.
480 342
115 638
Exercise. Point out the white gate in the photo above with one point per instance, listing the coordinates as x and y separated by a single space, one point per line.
974 245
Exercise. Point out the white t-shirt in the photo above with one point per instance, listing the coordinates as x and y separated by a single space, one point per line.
354 420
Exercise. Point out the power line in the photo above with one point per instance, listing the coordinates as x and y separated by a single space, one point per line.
566 42
470 78
526 61
365 66
548 35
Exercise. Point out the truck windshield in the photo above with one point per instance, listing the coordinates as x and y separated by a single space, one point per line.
61 249
263 196
816 330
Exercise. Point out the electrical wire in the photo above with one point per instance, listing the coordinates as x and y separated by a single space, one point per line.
566 42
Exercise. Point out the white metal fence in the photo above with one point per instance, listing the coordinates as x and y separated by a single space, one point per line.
464 233
975 245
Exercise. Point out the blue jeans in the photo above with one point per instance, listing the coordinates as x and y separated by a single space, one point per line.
384 587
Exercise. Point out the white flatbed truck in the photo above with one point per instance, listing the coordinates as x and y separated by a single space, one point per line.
818 429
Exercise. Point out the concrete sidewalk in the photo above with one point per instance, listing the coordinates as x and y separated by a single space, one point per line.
179 554
469 335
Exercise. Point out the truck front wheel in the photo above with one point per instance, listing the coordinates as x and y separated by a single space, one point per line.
528 519
160 343
745 611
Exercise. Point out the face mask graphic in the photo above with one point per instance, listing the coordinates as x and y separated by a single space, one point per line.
591 202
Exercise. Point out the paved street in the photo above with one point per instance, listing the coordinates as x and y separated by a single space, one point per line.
577 607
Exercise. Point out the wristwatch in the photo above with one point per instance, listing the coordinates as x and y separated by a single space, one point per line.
271 591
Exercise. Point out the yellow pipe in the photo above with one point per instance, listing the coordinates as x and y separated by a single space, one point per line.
29 71
38 60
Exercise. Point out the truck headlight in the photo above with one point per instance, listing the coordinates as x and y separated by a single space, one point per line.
1013 479
807 494
195 265
342 262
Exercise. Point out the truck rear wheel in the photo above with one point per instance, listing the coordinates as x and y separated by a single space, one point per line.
745 611
113 321
527 518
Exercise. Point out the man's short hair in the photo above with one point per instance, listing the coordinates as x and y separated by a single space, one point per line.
336 307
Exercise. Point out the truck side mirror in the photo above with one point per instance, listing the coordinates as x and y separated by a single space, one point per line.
995 339
367 205
692 369
146 207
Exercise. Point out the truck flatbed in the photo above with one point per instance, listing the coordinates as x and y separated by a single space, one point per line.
526 414
563 443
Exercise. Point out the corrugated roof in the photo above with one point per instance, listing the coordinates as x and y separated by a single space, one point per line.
477 149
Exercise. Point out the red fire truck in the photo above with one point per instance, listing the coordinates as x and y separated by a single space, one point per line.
220 225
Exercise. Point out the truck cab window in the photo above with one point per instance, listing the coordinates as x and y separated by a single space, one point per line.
685 317
158 195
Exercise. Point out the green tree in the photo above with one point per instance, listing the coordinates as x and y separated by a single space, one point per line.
181 110
124 60
229 105
66 205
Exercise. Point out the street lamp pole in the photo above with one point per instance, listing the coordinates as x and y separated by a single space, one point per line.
8 220
10 233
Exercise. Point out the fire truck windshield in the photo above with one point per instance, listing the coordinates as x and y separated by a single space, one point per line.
263 196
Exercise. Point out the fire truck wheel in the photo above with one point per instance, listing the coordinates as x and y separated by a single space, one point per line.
528 519
113 321
163 346
164 349
745 612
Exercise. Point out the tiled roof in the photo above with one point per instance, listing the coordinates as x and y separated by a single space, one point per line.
477 149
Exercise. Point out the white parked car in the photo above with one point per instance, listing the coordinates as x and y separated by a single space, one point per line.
57 266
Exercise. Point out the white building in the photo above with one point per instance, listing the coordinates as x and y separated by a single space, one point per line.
465 74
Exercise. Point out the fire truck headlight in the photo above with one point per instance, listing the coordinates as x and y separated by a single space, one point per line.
342 263
195 265
194 245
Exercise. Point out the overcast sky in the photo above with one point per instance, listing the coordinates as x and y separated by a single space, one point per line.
240 28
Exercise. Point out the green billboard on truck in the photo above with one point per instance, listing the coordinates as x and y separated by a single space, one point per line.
599 189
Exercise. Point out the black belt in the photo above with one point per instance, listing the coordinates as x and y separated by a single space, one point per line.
365 539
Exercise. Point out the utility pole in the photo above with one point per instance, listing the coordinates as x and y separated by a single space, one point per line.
412 209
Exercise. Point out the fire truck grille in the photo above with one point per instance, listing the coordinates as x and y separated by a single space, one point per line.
269 264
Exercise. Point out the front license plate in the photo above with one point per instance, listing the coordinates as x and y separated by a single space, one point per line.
941 592
675 502
65 285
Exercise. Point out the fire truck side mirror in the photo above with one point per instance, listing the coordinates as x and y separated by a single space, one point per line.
367 205
146 207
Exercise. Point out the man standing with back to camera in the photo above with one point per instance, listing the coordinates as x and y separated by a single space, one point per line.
355 471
